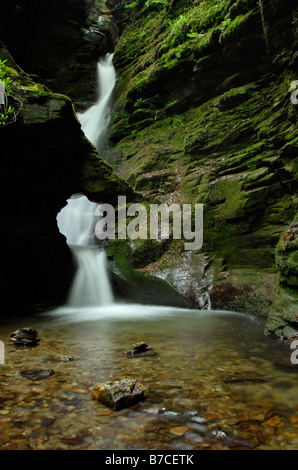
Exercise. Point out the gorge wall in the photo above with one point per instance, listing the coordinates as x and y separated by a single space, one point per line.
203 114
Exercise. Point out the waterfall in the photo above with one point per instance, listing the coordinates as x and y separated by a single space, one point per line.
96 119
91 286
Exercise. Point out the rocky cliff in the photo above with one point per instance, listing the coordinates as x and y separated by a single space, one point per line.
203 114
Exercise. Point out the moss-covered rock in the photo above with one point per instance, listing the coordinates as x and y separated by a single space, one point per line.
284 312
120 394
133 284
215 77
287 256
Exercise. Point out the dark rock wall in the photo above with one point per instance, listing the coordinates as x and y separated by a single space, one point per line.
45 158
41 164
60 41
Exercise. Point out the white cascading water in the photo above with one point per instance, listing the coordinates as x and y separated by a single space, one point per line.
96 119
91 286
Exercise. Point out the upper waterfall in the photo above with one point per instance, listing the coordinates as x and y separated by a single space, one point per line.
95 120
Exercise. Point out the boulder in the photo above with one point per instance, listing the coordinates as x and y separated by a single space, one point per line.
120 394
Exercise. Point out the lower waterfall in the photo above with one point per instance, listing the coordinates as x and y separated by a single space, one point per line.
91 285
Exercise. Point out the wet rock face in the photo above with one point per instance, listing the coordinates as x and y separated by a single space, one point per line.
43 168
287 255
122 394
282 319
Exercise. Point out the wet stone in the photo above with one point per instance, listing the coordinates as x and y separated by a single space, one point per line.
250 425
120 394
140 349
289 333
178 430
25 337
37 374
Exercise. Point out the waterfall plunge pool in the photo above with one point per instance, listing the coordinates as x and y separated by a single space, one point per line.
216 382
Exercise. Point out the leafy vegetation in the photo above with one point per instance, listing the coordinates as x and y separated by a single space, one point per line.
4 77
8 113
7 116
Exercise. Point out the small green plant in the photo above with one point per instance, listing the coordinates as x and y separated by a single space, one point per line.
138 102
194 35
179 29
175 121
7 116
155 3
131 6
7 82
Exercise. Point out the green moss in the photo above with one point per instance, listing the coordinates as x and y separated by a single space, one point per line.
125 261
286 256
228 136
233 29
148 251
280 212
283 312
235 97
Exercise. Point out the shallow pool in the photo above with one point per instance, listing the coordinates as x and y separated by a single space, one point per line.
216 383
